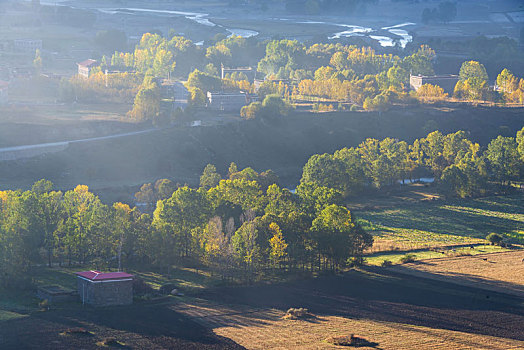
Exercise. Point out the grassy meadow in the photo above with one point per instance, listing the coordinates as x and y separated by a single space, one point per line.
434 224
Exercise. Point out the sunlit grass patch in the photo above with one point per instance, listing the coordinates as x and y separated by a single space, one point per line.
395 258
428 225
9 315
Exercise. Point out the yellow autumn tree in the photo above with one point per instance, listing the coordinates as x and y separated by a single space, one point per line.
430 93
278 245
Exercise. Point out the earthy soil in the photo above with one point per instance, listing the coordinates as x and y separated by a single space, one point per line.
136 327
500 272
387 309
266 329
359 301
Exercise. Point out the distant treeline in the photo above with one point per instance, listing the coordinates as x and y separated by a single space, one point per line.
459 166
331 75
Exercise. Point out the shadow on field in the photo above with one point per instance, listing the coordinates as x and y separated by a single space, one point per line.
489 286
381 295
140 326
445 220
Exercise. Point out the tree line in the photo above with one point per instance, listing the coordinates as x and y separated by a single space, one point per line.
461 167
240 226
244 224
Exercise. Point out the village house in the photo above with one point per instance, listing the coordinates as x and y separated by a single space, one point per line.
249 72
105 289
4 92
446 82
85 67
222 101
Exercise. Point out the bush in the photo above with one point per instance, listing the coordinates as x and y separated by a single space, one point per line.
408 258
351 340
167 288
77 331
386 263
140 287
355 261
494 239
44 305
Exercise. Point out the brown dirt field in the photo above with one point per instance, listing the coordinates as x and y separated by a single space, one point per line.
265 329
390 310
500 272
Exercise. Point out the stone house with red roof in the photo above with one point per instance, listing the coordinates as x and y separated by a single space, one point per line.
105 289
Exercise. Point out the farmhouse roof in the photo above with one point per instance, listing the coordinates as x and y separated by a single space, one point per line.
442 76
101 276
88 63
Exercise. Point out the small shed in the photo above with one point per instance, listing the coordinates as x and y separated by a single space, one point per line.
105 289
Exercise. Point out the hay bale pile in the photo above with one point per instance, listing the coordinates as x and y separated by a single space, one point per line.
296 314
351 340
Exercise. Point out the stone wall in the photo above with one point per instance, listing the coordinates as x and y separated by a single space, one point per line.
106 293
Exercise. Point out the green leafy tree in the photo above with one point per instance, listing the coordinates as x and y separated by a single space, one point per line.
240 192
504 159
181 215
83 210
245 246
473 69
147 101
337 236
164 188
507 82
203 81
210 177
398 77
520 142
325 170
278 245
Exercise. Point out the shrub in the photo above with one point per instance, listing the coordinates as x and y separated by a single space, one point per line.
408 258
353 108
167 288
386 263
355 261
494 239
140 287
111 342
350 340
44 305
76 331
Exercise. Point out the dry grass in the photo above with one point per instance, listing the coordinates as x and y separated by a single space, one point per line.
265 329
502 272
